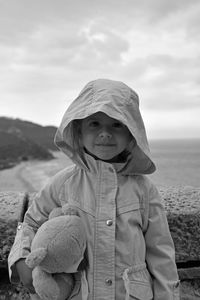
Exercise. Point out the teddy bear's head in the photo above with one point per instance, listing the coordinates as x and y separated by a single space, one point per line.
59 244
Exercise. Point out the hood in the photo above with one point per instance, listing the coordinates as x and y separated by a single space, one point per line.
118 101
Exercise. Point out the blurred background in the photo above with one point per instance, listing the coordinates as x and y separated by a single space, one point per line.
50 49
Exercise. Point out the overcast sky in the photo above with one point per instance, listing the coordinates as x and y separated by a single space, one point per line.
50 49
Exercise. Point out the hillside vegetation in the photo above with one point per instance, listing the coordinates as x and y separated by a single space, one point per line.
23 140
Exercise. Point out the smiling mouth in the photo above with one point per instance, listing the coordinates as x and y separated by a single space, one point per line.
105 145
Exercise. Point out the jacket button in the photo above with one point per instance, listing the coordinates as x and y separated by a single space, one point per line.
108 282
19 226
109 222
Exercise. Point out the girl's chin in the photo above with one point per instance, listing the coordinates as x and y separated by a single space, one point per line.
108 158
105 156
114 158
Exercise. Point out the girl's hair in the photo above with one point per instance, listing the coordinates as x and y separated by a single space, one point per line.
76 139
76 136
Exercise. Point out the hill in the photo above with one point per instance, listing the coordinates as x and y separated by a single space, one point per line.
42 135
23 140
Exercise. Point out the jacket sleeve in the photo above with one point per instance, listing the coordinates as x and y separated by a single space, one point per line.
160 255
36 215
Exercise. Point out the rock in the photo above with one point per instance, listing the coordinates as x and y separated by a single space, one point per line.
10 203
189 273
183 212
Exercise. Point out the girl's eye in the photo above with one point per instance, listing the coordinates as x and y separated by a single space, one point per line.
93 124
118 125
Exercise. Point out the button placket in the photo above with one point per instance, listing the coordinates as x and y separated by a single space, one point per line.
105 219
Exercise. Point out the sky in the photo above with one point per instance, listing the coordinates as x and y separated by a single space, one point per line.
50 49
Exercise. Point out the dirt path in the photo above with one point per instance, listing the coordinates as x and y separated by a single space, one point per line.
12 180
32 175
26 177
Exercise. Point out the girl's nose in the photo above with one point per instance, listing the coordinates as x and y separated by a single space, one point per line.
104 134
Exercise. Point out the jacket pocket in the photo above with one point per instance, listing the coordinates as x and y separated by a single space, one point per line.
128 208
141 291
138 284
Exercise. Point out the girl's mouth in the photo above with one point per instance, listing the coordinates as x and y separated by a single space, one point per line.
105 145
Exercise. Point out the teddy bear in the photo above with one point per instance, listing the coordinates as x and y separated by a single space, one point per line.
56 252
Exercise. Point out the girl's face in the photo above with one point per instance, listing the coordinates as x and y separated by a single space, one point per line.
104 137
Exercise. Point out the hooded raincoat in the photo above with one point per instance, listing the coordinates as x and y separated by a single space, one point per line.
130 252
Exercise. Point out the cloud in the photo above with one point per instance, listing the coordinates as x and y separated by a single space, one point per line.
71 45
50 49
49 57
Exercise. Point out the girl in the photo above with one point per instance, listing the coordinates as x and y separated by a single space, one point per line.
130 253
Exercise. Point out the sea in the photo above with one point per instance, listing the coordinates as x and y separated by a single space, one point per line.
177 162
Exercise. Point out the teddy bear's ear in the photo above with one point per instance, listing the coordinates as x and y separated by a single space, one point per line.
56 212
36 257
69 210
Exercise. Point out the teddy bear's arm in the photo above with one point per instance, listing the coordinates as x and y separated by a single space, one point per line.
36 257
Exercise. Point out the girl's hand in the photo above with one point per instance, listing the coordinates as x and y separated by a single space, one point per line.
25 275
